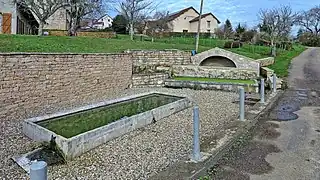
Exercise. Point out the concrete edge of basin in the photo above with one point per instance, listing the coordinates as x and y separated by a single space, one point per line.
79 144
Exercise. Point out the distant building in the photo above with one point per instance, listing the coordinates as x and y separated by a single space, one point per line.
186 20
102 23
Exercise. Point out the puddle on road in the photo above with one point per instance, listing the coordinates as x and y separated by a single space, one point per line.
290 103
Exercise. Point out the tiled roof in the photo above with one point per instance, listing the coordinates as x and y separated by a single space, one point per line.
203 16
179 13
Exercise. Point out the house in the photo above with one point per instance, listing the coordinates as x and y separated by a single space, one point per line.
103 22
14 19
186 20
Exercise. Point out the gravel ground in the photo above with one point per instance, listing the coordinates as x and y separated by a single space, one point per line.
136 155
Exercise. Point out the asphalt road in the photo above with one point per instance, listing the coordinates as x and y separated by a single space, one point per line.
285 145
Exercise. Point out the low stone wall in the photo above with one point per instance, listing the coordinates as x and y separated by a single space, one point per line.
149 80
151 60
266 72
265 61
205 71
83 33
233 87
33 84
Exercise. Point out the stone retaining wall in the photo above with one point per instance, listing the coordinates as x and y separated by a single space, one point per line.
150 60
223 73
149 80
33 84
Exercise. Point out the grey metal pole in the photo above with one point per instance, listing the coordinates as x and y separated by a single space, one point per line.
196 137
199 26
274 84
241 104
38 170
262 91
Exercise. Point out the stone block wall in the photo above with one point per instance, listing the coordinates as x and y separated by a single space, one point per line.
149 80
34 84
223 73
265 61
83 33
266 72
151 60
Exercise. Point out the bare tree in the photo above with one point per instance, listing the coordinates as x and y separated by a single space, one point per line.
310 20
42 9
78 9
160 23
133 9
276 24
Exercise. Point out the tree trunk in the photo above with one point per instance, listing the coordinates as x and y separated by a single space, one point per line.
73 28
273 49
40 30
131 31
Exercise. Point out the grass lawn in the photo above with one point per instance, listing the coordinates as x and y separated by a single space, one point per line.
203 79
283 60
23 43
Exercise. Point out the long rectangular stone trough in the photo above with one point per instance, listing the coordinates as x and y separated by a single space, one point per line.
38 128
232 87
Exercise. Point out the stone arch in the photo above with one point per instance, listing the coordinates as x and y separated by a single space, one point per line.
218 61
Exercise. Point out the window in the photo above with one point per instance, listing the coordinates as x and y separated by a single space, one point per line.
208 31
185 31
208 24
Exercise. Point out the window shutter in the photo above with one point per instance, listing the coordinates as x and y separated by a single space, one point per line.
6 23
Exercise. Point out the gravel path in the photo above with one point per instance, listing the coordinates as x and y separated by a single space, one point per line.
136 155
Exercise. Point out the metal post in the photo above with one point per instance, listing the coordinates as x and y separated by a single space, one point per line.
262 91
274 84
196 137
199 26
241 104
38 170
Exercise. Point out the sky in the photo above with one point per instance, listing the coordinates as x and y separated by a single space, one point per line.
237 11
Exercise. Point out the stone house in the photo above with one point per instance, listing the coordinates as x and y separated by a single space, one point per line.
14 19
186 20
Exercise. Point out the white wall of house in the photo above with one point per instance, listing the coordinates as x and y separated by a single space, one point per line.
182 23
107 21
8 6
208 25
58 20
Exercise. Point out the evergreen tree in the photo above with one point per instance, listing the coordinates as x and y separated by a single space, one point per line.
228 29
120 24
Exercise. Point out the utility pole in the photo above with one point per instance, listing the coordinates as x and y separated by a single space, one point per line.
199 26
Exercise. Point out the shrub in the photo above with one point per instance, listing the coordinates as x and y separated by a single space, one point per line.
309 39
233 44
